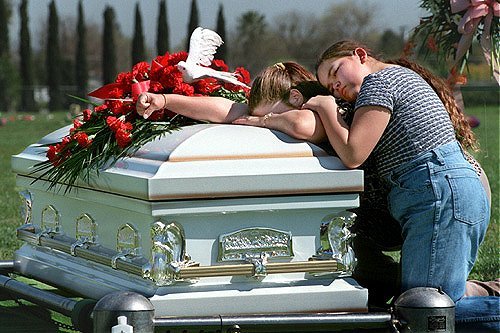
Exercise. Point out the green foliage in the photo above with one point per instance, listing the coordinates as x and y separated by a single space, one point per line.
53 60
221 30
26 61
9 84
138 49
5 14
162 37
81 63
193 23
109 69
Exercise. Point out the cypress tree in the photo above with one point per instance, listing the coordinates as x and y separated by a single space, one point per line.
162 39
26 62
4 28
81 64
193 21
109 69
7 72
54 60
221 30
138 51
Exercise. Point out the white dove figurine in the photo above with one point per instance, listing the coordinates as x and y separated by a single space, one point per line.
202 47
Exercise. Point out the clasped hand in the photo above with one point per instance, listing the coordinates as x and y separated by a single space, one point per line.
147 103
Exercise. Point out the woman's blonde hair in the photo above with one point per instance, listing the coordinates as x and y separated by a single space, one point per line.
274 83
463 131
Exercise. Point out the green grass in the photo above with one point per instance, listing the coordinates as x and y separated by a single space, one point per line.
16 134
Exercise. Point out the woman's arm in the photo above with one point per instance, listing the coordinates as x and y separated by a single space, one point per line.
300 124
212 109
353 144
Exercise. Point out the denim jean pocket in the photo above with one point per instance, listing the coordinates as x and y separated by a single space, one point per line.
469 199
414 181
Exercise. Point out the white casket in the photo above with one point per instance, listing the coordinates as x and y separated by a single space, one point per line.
211 219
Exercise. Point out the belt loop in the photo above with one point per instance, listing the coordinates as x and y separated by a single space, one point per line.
439 155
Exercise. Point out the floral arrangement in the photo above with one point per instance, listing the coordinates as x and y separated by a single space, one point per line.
113 130
453 25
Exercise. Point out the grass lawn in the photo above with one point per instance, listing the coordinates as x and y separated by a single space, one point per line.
20 131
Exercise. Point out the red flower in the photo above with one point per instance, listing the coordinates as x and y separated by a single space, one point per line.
83 139
113 123
125 78
155 87
52 155
184 89
123 138
176 57
140 71
206 86
243 75
219 65
87 113
101 107
431 44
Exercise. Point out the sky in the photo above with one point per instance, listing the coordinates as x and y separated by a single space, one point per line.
394 14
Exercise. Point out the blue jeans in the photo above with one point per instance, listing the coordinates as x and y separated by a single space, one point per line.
443 210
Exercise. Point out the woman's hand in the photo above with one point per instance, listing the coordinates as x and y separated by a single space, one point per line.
252 121
147 103
320 104
300 124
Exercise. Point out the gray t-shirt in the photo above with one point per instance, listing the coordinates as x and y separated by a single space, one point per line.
419 121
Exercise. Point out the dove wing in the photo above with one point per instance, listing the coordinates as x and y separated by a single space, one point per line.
202 46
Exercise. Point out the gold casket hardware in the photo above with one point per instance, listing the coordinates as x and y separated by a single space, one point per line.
140 266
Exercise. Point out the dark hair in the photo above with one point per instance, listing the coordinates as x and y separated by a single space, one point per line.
463 130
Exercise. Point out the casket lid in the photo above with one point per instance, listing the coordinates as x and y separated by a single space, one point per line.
214 160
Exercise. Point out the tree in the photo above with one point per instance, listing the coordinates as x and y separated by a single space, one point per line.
348 20
221 30
138 50
193 22
109 70
53 60
254 45
81 64
26 62
5 13
8 74
390 44
162 38
299 36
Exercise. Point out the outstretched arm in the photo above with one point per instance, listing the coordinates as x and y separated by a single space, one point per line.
300 124
209 108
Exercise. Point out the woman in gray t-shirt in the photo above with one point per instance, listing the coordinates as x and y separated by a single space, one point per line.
402 120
